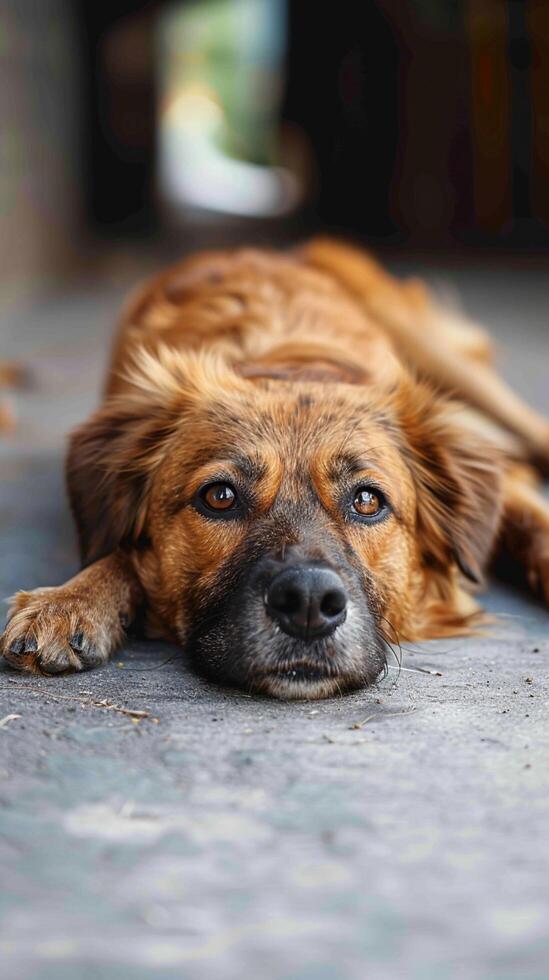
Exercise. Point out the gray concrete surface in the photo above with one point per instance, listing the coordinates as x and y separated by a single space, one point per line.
396 832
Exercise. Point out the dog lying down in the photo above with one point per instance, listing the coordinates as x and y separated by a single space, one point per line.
298 461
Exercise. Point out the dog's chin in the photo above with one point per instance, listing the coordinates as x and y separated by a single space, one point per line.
306 684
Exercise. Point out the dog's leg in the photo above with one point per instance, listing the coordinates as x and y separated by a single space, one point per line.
524 537
76 625
424 341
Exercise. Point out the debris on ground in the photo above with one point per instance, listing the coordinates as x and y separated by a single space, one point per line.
4 722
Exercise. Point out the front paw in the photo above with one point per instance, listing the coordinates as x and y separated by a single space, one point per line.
54 631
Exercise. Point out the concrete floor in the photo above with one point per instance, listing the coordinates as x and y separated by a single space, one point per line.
397 832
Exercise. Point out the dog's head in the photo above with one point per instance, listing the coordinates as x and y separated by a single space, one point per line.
286 531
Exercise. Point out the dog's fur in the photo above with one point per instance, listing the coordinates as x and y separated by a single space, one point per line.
12 375
295 378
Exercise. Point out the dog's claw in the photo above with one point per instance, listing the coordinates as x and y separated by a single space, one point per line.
25 644
77 642
17 647
87 652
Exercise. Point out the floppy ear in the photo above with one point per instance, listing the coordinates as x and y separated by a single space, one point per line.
113 457
110 463
458 481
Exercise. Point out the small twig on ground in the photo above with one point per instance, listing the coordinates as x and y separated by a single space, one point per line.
88 703
5 721
360 724
416 670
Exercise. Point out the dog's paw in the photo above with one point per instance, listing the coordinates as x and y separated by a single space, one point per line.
54 631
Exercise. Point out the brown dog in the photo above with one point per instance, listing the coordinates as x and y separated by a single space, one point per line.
276 478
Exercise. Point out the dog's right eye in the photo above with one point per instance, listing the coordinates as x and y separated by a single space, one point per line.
218 498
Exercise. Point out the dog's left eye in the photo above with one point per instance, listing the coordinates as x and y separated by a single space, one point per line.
219 497
368 502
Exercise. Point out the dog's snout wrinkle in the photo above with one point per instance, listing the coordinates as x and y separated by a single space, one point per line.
307 601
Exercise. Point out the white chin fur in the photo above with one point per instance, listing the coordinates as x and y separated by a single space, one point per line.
303 690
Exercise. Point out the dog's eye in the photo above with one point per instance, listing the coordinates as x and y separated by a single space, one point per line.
219 497
368 502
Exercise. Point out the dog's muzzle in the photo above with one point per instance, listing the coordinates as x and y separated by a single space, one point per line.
307 601
290 627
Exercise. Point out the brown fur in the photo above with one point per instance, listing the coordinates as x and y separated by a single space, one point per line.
294 376
12 375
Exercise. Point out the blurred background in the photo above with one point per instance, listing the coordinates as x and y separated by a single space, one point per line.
136 126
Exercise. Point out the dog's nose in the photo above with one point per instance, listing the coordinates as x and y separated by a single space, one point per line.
307 601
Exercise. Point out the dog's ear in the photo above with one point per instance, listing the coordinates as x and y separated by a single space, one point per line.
110 463
113 457
458 482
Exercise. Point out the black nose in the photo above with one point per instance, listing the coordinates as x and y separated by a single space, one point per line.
307 601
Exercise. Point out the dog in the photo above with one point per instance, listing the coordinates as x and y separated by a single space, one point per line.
299 461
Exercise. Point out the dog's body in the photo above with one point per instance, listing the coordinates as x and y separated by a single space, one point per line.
276 478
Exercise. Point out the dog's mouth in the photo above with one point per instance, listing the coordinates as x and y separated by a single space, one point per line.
306 681
300 674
